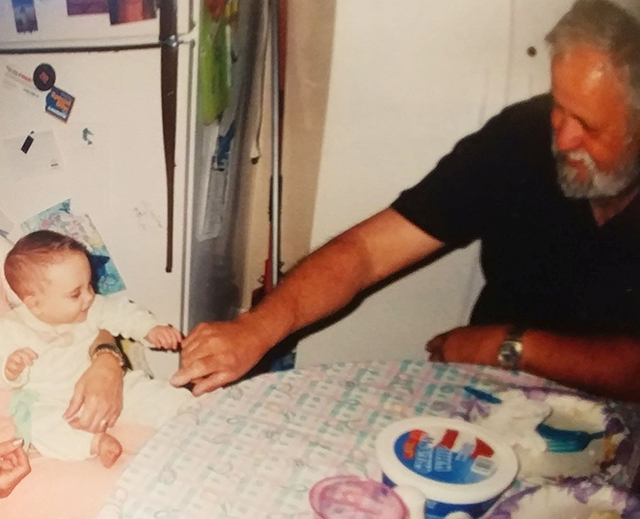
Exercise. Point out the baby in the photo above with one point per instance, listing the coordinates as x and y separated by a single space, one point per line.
45 342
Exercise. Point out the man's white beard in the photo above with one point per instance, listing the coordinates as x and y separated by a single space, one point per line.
599 184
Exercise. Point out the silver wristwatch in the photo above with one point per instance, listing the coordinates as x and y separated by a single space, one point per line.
511 348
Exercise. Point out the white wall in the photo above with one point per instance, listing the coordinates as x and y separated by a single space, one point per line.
407 81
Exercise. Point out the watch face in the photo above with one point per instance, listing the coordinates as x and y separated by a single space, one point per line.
509 354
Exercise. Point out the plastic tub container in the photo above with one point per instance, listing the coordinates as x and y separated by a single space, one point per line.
350 497
447 467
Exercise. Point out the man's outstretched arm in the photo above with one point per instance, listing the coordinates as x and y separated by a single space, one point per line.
215 354
607 366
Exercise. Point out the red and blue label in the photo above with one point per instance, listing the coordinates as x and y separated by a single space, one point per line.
59 103
447 458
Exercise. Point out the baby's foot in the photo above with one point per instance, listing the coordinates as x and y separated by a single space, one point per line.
107 448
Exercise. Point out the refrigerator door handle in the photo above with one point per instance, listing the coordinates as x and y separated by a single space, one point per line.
169 85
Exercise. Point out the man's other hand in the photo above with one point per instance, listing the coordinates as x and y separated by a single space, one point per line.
467 345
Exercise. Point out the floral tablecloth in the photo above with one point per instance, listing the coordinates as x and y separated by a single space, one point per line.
254 450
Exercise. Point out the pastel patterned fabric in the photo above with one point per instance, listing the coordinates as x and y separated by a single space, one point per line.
254 450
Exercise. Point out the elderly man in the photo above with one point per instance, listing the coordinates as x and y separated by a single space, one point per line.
550 188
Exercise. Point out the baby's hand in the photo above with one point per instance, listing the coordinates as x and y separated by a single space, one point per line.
18 361
165 337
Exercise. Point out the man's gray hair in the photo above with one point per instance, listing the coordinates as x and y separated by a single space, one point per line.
612 26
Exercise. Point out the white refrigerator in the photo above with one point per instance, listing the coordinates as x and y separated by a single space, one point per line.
118 133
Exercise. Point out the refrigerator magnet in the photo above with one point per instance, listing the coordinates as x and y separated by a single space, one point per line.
127 11
80 7
24 14
58 103
27 144
44 77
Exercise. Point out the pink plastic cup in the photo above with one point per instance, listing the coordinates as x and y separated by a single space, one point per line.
349 497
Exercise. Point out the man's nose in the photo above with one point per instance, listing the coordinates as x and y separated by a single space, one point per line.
568 134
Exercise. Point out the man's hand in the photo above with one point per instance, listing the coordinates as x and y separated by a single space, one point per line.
215 354
469 345
164 337
97 399
14 466
18 361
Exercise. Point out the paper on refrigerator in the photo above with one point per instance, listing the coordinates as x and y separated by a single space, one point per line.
31 155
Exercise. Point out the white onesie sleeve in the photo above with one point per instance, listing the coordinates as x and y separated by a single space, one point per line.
119 316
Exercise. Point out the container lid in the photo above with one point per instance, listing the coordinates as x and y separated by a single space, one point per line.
448 460
351 497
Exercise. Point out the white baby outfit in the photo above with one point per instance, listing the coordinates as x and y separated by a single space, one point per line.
63 356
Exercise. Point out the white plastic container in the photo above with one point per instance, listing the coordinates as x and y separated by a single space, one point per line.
453 467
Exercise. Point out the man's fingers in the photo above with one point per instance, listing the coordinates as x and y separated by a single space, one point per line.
183 376
435 348
192 371
200 336
191 342
196 354
212 382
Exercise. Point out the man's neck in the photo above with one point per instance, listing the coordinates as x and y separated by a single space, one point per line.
606 208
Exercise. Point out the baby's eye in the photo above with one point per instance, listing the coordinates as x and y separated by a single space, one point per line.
75 295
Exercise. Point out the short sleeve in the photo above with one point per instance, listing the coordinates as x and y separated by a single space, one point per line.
459 200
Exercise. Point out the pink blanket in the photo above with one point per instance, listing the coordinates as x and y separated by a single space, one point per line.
66 490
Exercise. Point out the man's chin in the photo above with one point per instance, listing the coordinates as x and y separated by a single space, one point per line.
596 187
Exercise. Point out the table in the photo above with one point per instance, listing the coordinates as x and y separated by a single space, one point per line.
254 450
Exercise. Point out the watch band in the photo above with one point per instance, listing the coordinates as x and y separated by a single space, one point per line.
515 333
110 349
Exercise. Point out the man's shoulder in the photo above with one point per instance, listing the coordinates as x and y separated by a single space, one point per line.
536 110
521 128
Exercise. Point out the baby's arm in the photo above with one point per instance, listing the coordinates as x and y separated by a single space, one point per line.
120 316
165 337
17 362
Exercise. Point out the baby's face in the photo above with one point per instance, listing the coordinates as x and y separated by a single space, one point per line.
66 294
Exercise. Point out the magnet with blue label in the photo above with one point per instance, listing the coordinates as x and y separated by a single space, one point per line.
44 77
58 103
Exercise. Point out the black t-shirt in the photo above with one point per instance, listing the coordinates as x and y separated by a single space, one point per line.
547 263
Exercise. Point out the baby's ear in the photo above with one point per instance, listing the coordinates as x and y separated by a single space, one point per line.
32 303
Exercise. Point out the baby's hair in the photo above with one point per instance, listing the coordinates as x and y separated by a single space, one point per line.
32 254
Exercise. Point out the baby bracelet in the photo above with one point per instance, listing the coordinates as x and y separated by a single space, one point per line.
111 349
